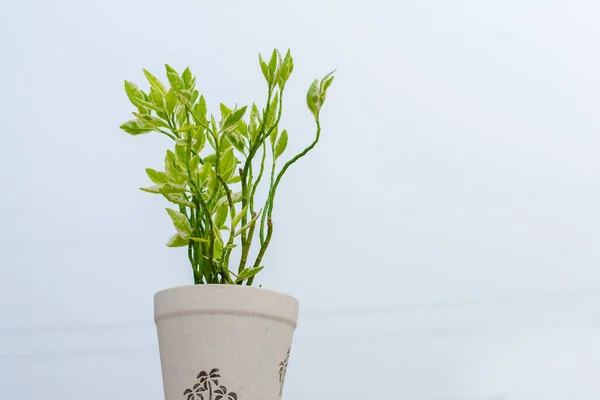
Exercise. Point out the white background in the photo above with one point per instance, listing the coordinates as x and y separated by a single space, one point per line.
442 238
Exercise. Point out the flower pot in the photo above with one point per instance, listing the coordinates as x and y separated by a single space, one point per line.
224 342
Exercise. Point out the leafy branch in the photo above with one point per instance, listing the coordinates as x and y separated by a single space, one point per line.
208 175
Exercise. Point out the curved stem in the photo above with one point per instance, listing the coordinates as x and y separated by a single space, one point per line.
246 247
289 163
258 178
263 248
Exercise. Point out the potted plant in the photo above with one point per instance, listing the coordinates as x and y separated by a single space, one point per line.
222 339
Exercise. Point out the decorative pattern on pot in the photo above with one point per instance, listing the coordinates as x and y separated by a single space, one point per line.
207 387
282 371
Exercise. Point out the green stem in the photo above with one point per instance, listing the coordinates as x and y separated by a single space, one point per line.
208 270
288 164
246 246
258 178
227 252
248 162
244 219
166 133
267 202
263 248
217 170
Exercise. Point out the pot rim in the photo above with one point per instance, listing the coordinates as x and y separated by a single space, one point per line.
225 299
224 285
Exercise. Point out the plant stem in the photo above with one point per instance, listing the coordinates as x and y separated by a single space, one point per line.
258 178
271 196
166 133
263 248
246 246
211 246
267 202
289 163
251 153
227 252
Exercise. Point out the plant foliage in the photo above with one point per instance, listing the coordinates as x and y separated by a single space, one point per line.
212 174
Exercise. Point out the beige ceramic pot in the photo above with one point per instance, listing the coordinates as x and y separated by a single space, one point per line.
224 342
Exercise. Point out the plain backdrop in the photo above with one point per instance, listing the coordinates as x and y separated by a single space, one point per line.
442 238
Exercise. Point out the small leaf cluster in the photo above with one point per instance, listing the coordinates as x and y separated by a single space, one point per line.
212 173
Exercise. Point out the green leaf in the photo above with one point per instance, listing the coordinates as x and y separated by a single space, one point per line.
254 113
156 99
325 83
181 115
177 198
184 96
248 225
177 241
254 121
182 224
221 215
156 84
234 179
270 120
152 120
200 111
237 140
187 78
278 71
273 137
236 197
164 188
174 79
287 67
200 240
194 163
225 111
181 152
273 64
156 189
133 93
171 101
213 124
239 216
312 98
265 68
281 144
136 127
248 273
156 176
199 140
144 106
211 159
186 128
227 166
205 172
195 95
218 245
242 128
176 175
172 188
170 164
218 235
234 117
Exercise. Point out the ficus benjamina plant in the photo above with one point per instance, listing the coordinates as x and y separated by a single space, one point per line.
213 173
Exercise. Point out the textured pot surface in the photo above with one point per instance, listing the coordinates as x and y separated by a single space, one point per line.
224 342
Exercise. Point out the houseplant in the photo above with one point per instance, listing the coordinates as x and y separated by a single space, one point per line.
220 338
